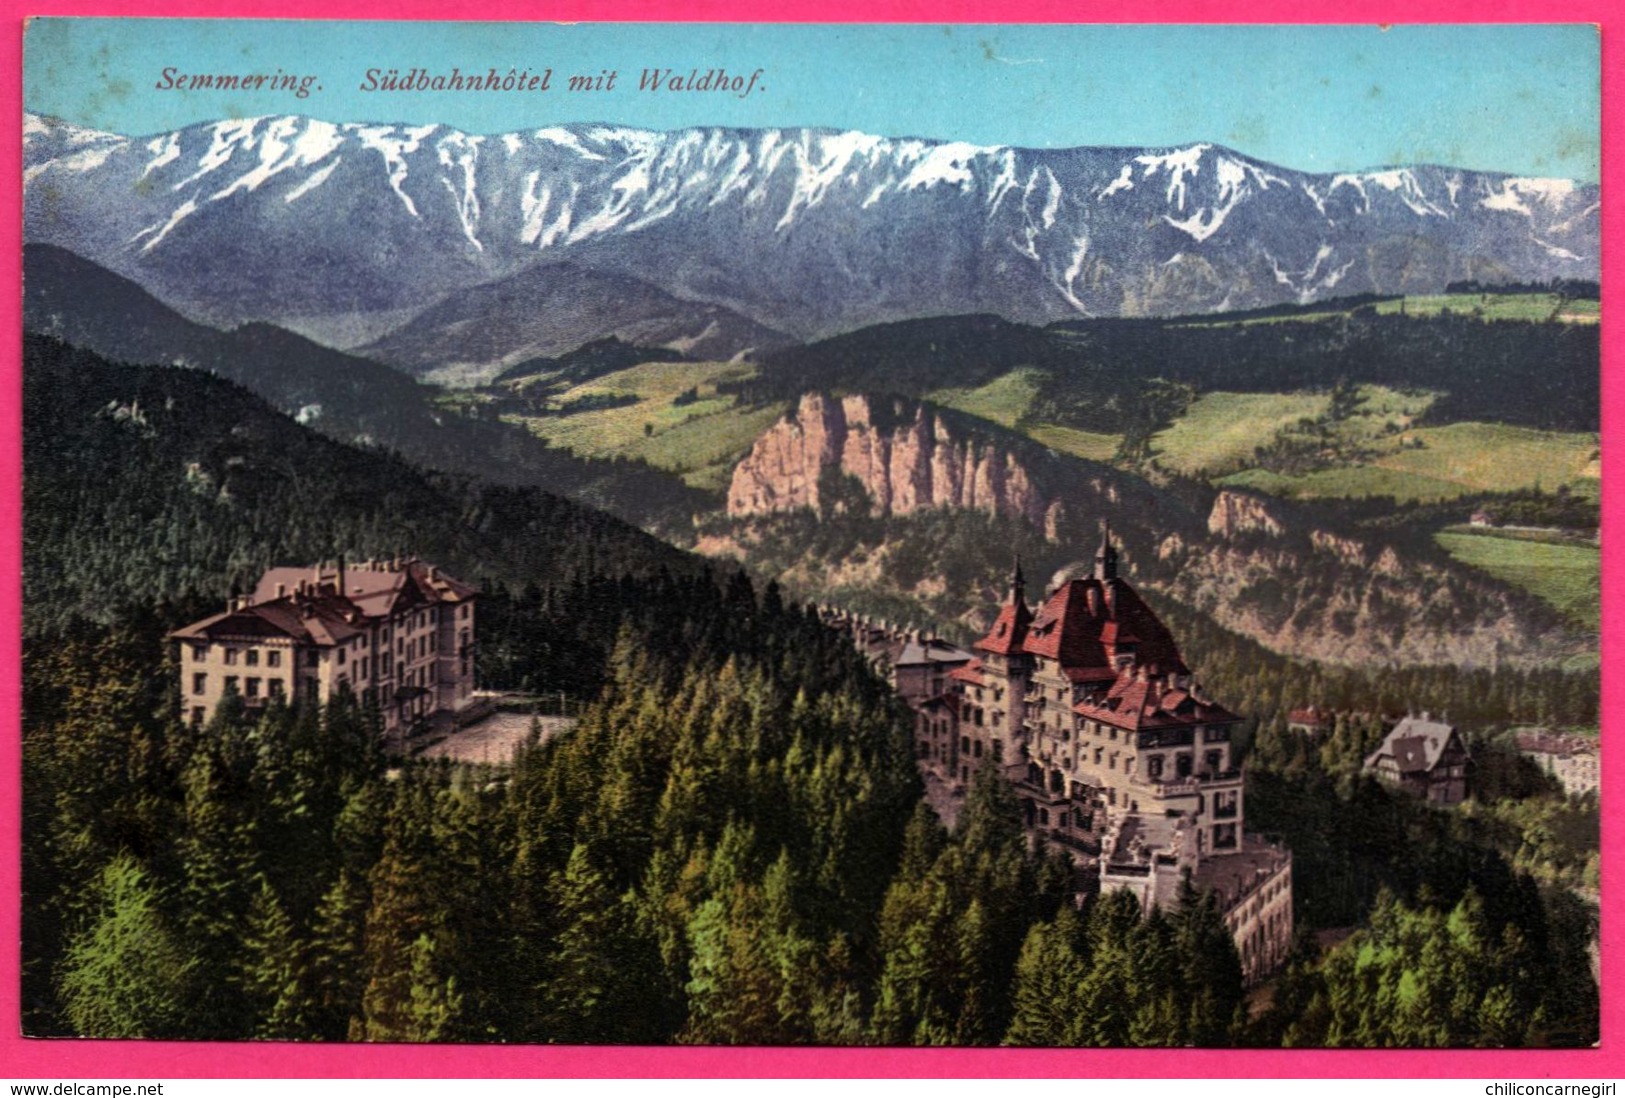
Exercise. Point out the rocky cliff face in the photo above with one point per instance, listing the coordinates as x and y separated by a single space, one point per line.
906 458
1337 598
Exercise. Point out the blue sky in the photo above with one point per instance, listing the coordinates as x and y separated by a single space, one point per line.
1509 98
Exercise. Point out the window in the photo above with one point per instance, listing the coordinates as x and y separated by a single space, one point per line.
464 612
312 658
998 750
1153 767
273 659
231 684
976 749
964 744
197 714
276 688
200 652
200 682
252 657
231 655
253 688
344 654
1215 760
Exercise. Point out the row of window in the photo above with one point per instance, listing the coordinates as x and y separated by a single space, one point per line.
250 656
236 684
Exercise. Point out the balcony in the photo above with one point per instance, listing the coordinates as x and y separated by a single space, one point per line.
1205 782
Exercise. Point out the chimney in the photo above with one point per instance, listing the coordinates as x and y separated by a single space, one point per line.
281 590
341 575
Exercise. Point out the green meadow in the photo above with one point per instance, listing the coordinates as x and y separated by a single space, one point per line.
1004 400
1090 445
1567 576
1220 431
699 440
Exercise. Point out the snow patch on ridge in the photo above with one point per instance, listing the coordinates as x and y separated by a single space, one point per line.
183 211
314 180
394 150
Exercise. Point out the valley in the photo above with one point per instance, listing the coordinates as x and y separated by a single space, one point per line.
1382 467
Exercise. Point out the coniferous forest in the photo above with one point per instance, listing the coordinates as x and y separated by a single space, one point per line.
730 846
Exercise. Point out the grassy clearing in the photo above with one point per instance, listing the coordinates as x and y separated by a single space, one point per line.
1568 577
1090 445
1220 431
699 439
1004 400
1498 307
1492 457
1347 482
1478 306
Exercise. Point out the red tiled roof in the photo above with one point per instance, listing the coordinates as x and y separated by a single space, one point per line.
303 604
1138 701
322 620
1009 630
1089 623
970 672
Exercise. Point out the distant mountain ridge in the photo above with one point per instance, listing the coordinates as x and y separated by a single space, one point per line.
725 238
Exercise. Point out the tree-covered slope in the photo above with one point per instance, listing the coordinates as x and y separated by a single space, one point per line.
145 484
344 396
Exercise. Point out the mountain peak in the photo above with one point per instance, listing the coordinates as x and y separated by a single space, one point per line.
358 227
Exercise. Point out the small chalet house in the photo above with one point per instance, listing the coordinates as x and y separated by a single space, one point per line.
398 633
1425 757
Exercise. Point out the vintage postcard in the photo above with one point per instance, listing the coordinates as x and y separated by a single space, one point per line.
822 535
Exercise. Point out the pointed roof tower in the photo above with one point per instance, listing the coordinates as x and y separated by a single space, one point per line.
1106 555
1010 627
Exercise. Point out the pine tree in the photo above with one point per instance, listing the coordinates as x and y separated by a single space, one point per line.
275 976
127 974
337 960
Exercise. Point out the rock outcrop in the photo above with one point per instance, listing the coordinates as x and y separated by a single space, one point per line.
1313 593
906 458
1238 512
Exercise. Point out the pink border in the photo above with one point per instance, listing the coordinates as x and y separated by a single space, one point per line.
133 1059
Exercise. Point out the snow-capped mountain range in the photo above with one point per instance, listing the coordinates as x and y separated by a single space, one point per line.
425 245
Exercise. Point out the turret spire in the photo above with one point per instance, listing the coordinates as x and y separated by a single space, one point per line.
1106 555
1018 583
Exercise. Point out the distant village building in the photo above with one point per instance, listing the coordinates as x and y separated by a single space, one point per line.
1425 757
399 634
1310 720
1115 751
1573 760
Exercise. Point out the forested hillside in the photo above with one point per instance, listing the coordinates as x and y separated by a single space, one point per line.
346 397
146 484
1094 373
731 845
